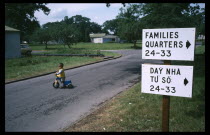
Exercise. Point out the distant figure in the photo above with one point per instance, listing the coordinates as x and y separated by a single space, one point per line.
61 75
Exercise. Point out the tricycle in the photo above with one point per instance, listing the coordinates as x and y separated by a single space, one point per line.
67 84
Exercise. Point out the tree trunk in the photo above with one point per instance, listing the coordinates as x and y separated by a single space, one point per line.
203 41
45 45
135 43
69 45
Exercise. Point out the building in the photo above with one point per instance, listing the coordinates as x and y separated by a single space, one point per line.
103 38
201 37
12 43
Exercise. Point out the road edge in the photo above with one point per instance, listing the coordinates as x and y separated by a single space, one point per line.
110 58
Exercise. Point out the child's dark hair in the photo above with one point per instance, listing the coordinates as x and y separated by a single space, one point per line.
61 64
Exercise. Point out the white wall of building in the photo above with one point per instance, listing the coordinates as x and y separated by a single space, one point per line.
97 40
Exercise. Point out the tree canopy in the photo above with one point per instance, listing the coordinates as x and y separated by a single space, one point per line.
84 26
128 24
69 30
140 16
21 16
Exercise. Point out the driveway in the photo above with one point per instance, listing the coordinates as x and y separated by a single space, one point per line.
34 105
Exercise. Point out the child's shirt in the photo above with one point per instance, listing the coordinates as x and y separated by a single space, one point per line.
61 73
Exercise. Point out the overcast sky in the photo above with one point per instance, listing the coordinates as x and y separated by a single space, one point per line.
97 12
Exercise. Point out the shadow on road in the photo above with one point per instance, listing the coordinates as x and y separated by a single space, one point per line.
134 70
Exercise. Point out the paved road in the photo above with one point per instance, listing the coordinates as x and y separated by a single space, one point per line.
34 105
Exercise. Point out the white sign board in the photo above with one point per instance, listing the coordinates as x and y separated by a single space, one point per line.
167 80
168 44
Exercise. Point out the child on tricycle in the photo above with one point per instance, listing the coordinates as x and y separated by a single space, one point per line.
60 76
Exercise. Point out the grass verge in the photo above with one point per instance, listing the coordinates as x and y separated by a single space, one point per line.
20 68
200 50
133 111
86 47
78 51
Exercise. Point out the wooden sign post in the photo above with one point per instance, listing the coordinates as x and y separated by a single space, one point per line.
166 107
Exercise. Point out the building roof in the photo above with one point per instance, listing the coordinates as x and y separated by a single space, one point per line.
97 35
110 36
10 29
100 35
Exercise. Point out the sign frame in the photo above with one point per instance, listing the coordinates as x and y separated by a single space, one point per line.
149 87
168 44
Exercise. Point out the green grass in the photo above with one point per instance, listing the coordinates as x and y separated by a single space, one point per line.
79 51
189 114
200 50
133 111
87 46
36 65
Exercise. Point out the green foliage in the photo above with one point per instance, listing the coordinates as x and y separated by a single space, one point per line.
131 12
165 15
131 31
173 15
68 31
200 50
110 42
135 17
129 26
42 35
21 16
87 46
111 25
108 4
20 68
83 25
55 30
196 16
69 34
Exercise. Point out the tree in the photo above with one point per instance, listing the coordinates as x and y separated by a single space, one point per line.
201 27
111 25
129 25
108 4
131 11
55 30
196 17
69 34
95 28
161 15
21 16
83 25
165 15
131 31
42 35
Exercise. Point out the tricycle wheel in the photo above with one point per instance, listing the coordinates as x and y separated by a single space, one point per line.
70 86
56 85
